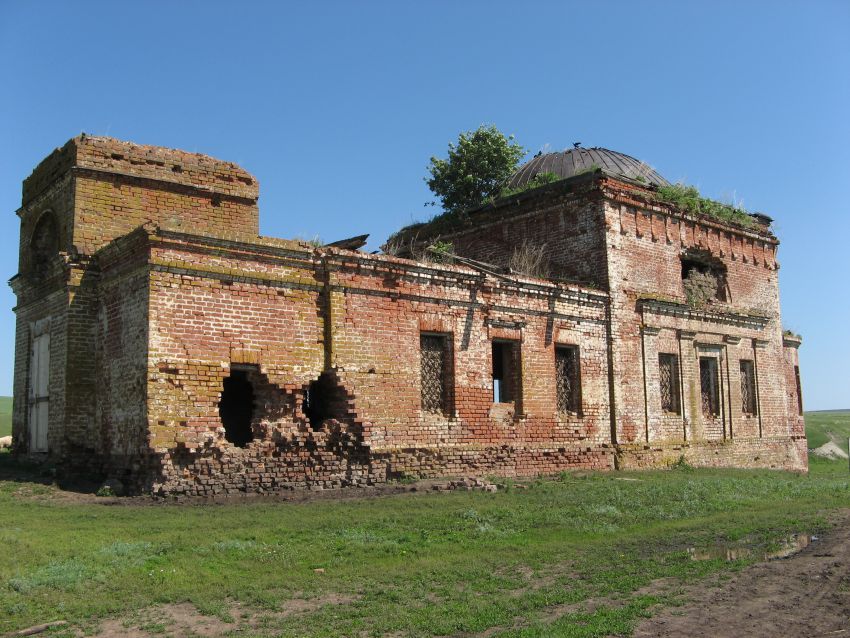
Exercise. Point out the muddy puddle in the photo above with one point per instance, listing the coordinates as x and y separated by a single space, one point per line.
788 546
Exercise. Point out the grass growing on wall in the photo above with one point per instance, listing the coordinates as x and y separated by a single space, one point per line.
688 198
419 564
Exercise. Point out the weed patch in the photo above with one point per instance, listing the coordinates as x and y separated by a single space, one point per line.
688 199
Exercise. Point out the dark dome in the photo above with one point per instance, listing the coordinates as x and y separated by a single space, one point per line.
579 160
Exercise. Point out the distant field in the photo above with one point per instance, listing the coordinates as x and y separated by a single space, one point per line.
833 425
5 416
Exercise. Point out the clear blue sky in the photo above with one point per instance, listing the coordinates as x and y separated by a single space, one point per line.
337 106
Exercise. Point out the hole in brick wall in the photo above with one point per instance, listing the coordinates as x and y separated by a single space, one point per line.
215 200
703 278
177 168
324 399
237 408
117 156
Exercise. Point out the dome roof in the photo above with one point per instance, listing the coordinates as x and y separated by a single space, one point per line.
579 160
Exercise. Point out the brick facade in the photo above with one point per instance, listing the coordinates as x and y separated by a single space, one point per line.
189 355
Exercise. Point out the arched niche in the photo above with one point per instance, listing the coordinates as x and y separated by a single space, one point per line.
44 242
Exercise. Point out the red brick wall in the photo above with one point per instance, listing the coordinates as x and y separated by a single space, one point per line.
42 296
98 190
290 311
793 401
161 289
119 185
566 219
650 314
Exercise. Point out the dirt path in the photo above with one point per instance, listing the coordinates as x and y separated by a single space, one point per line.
806 595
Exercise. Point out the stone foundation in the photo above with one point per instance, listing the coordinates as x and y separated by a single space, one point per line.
780 453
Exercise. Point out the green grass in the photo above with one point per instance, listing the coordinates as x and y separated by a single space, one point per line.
822 427
5 416
424 564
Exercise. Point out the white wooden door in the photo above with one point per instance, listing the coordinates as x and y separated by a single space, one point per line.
39 398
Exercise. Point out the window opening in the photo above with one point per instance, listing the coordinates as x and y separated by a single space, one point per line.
434 373
236 408
668 378
748 387
799 389
709 386
505 371
568 379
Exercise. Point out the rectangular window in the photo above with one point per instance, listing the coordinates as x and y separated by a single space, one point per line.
748 387
668 378
709 386
799 389
568 379
506 376
434 353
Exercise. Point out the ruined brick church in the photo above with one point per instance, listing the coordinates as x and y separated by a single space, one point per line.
162 342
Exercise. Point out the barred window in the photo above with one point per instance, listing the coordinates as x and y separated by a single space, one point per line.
568 379
709 386
748 387
506 371
799 389
434 351
668 378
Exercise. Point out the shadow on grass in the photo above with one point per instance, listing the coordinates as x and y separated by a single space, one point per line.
17 470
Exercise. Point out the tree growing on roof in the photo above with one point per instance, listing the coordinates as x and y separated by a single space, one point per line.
476 168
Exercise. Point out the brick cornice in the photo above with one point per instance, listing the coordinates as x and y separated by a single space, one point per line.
791 341
724 316
161 183
641 198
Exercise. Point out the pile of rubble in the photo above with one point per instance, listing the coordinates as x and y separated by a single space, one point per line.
469 484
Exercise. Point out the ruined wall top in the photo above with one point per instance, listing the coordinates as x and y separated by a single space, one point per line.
96 189
109 155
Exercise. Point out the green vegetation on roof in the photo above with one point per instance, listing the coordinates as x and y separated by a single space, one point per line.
541 179
684 197
452 221
688 199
